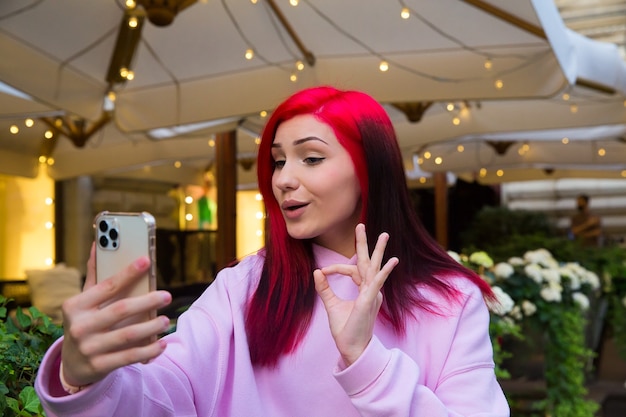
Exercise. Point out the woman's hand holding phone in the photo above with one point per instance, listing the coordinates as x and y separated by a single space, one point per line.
93 345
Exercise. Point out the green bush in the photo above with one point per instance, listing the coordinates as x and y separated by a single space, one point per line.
23 341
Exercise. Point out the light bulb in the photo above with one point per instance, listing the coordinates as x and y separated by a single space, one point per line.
456 121
384 66
488 64
14 129
29 122
450 106
133 22
499 84
565 141
249 54
299 65
460 148
405 13
293 78
48 134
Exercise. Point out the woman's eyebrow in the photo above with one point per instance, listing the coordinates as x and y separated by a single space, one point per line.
301 141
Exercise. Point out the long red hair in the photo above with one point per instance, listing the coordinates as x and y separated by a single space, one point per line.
279 312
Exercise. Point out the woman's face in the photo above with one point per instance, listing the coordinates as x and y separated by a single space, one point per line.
315 184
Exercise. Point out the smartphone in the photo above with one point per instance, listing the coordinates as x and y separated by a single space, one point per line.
121 238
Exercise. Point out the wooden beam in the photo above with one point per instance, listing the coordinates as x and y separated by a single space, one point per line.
226 178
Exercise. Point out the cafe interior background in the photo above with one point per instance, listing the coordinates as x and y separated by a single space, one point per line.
129 106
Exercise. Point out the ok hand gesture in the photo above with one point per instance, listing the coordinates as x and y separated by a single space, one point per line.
352 321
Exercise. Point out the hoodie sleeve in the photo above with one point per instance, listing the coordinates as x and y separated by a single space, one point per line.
184 381
386 382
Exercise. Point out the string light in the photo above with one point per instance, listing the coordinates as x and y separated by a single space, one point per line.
50 161
14 129
29 122
384 66
177 164
257 140
48 201
249 54
212 143
293 78
294 3
405 13
48 134
131 4
601 152
450 106
482 172
49 225
460 148
427 155
488 64
499 84
263 113
565 141
456 121
253 1
299 65
565 97
499 173
189 217
130 75
438 160
42 159
133 22
422 180
573 108
188 199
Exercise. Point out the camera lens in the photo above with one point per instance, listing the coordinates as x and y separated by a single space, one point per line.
113 234
103 226
104 241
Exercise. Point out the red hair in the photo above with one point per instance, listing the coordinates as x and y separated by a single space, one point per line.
279 312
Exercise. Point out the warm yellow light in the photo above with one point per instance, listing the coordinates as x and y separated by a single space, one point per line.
50 161
189 217
249 54
178 164
420 161
499 84
573 108
488 64
253 1
212 143
438 160
124 72
49 261
111 95
422 180
147 168
188 199
427 155
259 233
258 197
299 65
14 129
565 141
49 225
133 22
29 122
623 173
259 215
58 122
456 121
482 172
257 140
130 4
263 113
565 96
130 75
499 173
384 66
601 152
293 2
49 201
450 106
460 148
48 134
405 13
293 78
42 159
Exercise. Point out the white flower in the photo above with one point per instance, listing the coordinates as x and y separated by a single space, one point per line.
574 280
516 261
516 313
581 299
503 302
551 276
551 293
529 308
454 256
482 259
503 270
534 272
541 257
592 279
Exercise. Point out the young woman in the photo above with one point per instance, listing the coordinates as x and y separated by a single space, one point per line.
351 309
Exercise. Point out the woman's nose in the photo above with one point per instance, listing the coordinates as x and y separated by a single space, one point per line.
286 177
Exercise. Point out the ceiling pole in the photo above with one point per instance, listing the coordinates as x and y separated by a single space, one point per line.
226 178
441 208
308 55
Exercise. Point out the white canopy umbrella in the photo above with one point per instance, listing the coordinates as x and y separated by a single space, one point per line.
66 57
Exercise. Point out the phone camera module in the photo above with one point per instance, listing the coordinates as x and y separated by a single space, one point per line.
103 226
104 241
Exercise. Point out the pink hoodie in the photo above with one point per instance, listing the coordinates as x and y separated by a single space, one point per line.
442 367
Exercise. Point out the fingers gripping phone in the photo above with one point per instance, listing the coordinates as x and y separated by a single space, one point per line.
121 238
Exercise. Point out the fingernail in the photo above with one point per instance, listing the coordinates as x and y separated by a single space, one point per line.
142 262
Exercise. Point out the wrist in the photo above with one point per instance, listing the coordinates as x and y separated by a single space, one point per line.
70 389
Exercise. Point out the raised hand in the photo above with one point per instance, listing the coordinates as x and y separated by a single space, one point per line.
352 321
92 347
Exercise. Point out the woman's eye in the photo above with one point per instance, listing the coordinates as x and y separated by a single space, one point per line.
312 160
279 163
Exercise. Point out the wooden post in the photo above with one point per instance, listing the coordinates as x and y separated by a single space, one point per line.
441 208
226 178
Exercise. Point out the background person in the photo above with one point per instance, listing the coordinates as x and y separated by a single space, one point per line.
585 226
351 309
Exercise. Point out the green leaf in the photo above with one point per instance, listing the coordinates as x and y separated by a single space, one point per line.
22 319
29 399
